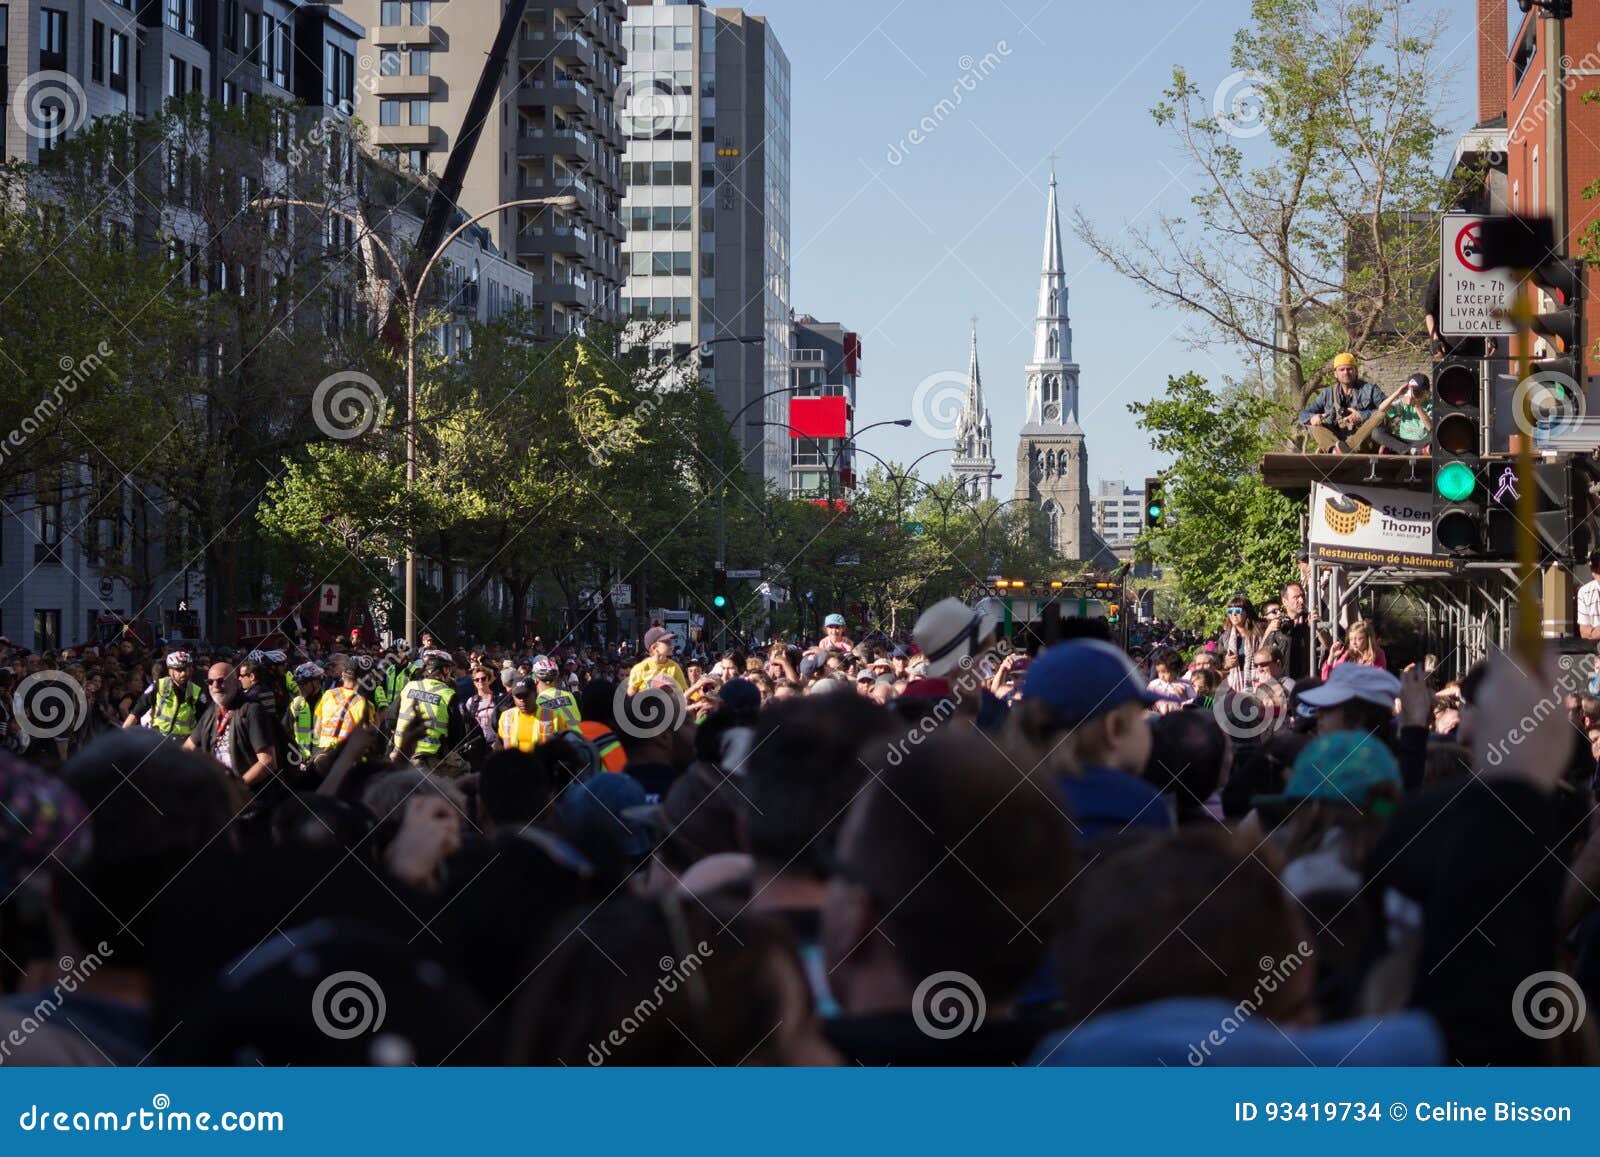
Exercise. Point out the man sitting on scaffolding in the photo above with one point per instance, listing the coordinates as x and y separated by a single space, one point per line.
1340 417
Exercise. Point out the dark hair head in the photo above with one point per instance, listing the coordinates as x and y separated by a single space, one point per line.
155 808
1220 890
987 910
520 787
803 770
658 982
596 702
1187 753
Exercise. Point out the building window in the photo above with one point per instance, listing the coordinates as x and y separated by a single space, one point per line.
421 13
389 62
5 45
119 62
97 53
421 61
53 40
388 112
181 17
46 630
419 112
230 26
175 77
389 15
339 79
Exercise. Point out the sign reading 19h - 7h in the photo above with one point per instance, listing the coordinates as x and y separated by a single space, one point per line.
1472 297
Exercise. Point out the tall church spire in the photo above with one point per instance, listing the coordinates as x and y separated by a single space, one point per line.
1052 459
974 462
1052 332
1052 375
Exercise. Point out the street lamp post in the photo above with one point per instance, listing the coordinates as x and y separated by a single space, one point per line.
412 296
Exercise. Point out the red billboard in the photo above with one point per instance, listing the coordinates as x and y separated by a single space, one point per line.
819 417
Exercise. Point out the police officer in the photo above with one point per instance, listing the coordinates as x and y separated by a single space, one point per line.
426 730
396 673
341 710
300 721
558 707
173 702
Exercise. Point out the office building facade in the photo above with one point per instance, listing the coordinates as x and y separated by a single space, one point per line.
705 112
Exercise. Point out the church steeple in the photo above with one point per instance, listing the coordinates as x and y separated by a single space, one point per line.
1052 375
1052 458
974 462
1052 332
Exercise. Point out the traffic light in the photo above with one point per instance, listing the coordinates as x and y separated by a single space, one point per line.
1529 244
1554 9
1114 614
1561 278
1561 504
1155 502
1455 445
719 587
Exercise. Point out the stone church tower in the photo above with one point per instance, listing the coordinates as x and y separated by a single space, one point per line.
1052 461
974 461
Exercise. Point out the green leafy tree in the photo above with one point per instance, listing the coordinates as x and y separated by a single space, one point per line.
1225 530
1316 180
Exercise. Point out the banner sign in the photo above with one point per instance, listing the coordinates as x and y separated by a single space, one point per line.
1356 525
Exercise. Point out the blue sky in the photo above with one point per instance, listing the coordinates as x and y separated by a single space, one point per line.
907 252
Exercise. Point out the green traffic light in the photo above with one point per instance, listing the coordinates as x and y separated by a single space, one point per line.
1455 481
719 601
1155 510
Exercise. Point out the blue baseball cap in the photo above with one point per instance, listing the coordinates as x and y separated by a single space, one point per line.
833 621
1084 679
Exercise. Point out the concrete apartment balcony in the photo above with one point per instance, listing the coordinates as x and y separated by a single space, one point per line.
410 136
408 36
432 87
573 144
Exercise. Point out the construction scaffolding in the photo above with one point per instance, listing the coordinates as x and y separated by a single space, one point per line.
1462 616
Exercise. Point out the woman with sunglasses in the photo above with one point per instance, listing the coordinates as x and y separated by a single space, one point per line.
1240 637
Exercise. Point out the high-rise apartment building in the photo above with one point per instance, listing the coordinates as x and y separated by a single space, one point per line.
824 363
551 131
705 112
1118 512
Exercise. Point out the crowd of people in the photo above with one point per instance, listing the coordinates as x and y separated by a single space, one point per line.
1263 848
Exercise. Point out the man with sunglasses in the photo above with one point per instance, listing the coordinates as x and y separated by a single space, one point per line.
234 730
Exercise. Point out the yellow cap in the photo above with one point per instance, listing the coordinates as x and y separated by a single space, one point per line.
1344 359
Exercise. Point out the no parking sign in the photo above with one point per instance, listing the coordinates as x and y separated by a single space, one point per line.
1472 297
